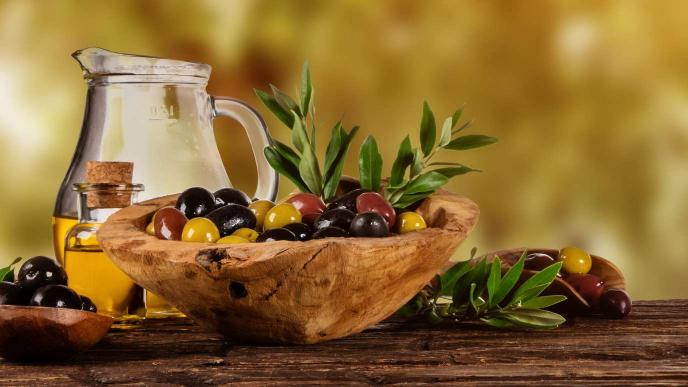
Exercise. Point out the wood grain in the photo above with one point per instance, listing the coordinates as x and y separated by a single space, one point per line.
650 346
289 292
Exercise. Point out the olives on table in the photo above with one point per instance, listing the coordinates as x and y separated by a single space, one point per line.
56 296
589 286
195 202
11 294
200 230
88 305
246 233
276 234
369 224
347 201
309 205
615 303
302 231
40 271
329 232
226 196
280 216
538 261
232 239
338 217
168 223
231 218
260 208
373 201
575 260
409 222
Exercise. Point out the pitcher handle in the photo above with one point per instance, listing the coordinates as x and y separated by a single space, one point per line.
258 135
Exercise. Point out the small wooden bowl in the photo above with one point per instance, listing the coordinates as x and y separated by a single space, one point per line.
35 333
288 292
611 276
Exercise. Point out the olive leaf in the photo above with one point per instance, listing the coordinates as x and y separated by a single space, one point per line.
426 182
446 135
427 130
334 172
402 162
286 152
533 318
456 117
509 280
271 103
5 272
450 172
370 165
494 280
536 284
470 141
298 134
285 101
306 89
285 168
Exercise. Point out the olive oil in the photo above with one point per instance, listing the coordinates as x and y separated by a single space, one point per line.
61 226
158 307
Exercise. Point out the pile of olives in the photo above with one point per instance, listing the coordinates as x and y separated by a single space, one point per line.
576 264
43 282
229 216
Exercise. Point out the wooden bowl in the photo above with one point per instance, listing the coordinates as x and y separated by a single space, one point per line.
288 292
35 333
610 274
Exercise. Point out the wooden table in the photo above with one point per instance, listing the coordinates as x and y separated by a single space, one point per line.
651 346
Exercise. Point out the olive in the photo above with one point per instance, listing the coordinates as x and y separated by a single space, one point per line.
56 296
88 305
259 209
309 205
409 222
246 233
232 239
11 294
338 217
150 229
373 201
195 202
575 260
39 271
280 216
302 231
589 286
369 224
200 230
347 201
168 223
330 232
615 303
231 218
538 261
231 196
276 234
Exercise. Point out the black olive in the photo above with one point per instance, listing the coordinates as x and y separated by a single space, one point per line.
11 294
615 303
347 201
231 218
301 230
40 271
538 261
369 224
195 202
338 217
88 305
231 196
56 296
276 234
329 232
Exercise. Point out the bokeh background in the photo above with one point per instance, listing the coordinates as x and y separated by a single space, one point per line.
589 101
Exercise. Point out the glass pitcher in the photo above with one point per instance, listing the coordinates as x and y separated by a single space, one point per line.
155 113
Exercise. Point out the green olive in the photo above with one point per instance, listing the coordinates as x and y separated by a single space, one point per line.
575 260
409 222
280 216
246 233
232 239
150 229
260 208
200 230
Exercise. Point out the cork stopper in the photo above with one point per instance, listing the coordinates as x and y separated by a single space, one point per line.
109 172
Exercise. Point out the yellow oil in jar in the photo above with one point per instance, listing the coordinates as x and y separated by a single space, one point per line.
61 226
158 307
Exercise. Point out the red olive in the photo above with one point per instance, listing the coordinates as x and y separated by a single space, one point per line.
309 205
589 286
169 223
615 303
374 202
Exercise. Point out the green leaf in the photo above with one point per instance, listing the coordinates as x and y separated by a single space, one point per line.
462 127
306 89
470 141
494 279
462 287
427 130
411 308
432 317
5 271
370 165
418 163
333 148
310 170
543 302
509 280
404 160
450 172
497 322
332 181
446 135
298 134
285 151
450 276
284 168
527 295
407 200
285 101
271 103
471 298
456 117
533 318
426 182
542 278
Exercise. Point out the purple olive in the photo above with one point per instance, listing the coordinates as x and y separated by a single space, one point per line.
615 303
589 286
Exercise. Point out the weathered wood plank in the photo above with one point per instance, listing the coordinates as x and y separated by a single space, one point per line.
649 347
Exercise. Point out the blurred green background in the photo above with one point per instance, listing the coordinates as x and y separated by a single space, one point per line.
589 101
